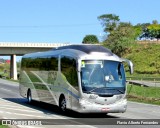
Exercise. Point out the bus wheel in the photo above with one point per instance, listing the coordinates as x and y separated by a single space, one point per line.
29 96
62 104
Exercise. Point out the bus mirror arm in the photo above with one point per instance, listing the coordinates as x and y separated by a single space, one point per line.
130 64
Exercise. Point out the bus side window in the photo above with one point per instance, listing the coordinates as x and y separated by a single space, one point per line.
53 68
54 63
69 70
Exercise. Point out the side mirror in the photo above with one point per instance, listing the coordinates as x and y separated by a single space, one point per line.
131 67
130 64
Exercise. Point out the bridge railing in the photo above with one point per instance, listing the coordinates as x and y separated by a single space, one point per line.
144 89
28 44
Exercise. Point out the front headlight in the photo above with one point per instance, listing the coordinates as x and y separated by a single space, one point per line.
119 97
84 102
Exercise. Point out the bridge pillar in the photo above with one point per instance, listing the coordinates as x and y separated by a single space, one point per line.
13 67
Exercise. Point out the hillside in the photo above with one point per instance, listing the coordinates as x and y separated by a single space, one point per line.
146 59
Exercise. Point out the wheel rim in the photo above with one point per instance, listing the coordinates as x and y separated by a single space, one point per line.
63 104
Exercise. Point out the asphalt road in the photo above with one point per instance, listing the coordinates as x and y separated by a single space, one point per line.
13 106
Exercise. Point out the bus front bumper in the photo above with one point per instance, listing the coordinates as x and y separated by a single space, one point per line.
118 107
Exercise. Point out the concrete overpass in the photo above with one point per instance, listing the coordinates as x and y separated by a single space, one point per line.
19 49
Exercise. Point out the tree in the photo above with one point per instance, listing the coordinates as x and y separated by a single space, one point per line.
90 39
154 31
109 22
120 35
138 31
120 40
144 34
154 22
150 31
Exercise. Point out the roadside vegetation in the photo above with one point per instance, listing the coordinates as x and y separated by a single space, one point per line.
138 43
146 60
150 95
90 39
4 70
4 126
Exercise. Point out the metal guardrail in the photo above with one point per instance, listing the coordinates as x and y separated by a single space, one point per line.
144 81
144 89
28 44
144 78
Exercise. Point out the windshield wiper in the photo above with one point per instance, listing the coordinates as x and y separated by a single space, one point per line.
117 90
108 88
95 89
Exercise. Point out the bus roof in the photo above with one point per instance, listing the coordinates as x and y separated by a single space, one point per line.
74 50
87 48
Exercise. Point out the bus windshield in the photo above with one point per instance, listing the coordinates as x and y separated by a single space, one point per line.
102 77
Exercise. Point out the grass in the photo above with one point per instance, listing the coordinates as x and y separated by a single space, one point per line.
4 126
150 95
4 70
146 59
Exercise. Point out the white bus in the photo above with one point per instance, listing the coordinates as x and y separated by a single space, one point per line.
83 78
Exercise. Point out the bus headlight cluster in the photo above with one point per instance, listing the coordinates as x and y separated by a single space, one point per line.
118 97
93 96
84 102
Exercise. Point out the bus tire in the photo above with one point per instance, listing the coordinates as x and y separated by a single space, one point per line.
29 96
62 103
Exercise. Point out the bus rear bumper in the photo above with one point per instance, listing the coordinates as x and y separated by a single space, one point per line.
118 107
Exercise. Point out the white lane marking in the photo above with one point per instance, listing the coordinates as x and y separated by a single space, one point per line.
33 111
21 110
15 106
29 115
5 118
5 89
12 104
27 109
51 115
155 111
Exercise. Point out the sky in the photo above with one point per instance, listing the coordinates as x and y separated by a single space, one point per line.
67 21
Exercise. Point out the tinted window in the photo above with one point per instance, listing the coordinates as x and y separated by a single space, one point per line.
54 63
46 64
103 76
68 68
